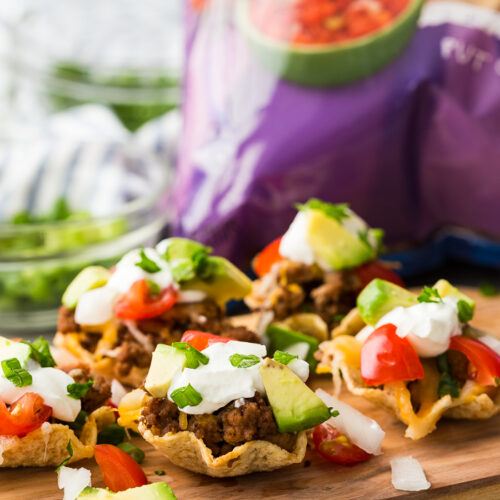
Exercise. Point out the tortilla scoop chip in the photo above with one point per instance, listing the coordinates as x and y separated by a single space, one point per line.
186 450
475 401
47 446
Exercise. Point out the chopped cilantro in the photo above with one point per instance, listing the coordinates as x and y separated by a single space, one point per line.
146 264
429 295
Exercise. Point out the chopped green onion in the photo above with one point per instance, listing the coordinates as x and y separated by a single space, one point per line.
448 385
66 460
79 421
186 396
160 472
363 236
465 312
429 295
488 289
333 413
146 264
337 212
15 373
193 357
244 360
136 453
79 391
284 357
337 318
40 352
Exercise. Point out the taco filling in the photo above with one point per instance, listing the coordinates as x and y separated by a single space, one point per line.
230 407
114 319
418 356
45 408
310 277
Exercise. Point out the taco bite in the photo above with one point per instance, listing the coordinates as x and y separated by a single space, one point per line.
309 278
225 410
418 356
46 414
113 319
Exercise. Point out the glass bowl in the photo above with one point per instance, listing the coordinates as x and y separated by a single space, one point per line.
38 260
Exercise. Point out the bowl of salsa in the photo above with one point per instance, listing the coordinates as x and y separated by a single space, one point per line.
328 42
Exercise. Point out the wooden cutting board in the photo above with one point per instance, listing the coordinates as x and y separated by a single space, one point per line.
461 460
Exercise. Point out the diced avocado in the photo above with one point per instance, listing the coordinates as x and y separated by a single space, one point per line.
446 289
11 349
153 491
166 363
295 406
380 297
280 338
226 282
90 493
87 279
334 244
182 248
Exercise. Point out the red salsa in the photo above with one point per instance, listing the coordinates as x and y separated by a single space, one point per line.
321 22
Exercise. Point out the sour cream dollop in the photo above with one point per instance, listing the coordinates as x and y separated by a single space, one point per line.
295 245
219 382
97 306
51 384
428 325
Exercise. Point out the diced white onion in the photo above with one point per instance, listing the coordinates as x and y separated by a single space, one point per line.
359 429
117 392
73 481
408 475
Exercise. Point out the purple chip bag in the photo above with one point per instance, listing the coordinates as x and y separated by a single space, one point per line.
414 147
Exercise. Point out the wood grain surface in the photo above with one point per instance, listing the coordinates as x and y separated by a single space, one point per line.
461 460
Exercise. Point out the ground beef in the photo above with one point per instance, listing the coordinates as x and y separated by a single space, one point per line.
98 395
459 366
299 288
161 415
66 321
222 431
286 300
130 354
252 420
296 272
240 333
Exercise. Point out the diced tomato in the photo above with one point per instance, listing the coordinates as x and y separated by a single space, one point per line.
336 447
119 470
201 340
26 414
386 357
375 269
484 362
266 258
139 303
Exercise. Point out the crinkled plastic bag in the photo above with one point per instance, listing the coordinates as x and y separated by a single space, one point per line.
406 130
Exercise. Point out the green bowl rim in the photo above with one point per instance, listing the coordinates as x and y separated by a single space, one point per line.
402 18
